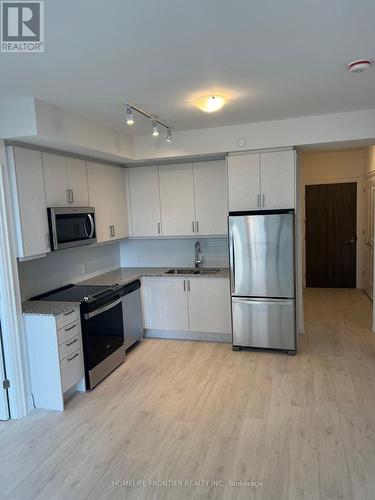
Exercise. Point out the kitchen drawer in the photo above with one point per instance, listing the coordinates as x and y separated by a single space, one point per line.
69 331
71 369
67 317
69 346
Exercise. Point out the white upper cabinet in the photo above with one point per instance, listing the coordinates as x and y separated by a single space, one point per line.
118 203
144 201
277 179
211 198
262 181
209 305
55 180
107 194
77 182
244 182
177 199
65 181
29 202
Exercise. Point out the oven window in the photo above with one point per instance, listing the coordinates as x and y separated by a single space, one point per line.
104 334
72 227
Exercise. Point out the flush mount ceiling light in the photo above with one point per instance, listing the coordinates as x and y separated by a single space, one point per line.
155 122
210 103
359 66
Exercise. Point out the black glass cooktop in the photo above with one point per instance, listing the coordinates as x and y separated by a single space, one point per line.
72 293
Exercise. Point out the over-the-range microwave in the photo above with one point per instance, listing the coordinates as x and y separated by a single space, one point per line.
71 226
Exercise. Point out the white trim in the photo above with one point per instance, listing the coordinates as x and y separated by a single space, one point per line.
11 313
359 183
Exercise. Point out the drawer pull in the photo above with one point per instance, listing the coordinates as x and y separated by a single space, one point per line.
70 328
72 342
73 357
69 313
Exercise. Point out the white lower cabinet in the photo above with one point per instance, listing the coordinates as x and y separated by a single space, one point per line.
182 304
54 348
165 304
209 305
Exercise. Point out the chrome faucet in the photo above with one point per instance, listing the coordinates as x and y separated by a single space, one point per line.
198 255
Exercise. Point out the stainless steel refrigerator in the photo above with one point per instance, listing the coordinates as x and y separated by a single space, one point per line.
262 275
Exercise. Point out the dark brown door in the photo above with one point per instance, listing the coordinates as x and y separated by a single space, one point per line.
331 222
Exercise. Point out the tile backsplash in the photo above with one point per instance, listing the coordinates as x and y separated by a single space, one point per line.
173 252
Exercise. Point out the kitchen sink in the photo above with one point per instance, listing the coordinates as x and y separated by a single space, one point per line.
192 271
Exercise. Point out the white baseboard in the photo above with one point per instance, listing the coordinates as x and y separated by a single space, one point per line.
201 336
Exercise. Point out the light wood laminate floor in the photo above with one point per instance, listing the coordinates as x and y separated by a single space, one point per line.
192 411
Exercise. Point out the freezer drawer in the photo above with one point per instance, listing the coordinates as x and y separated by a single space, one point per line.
266 323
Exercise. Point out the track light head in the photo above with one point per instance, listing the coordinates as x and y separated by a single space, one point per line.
169 135
129 116
155 131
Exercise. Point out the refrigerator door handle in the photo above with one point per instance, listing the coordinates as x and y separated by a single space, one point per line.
232 264
241 300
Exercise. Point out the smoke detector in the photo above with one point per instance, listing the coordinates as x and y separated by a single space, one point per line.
359 66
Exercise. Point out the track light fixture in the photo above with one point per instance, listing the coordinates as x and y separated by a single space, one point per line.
155 131
129 116
169 135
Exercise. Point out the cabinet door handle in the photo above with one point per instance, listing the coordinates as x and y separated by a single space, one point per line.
188 284
71 359
184 285
159 228
258 200
114 230
69 313
193 226
70 328
71 196
72 342
68 195
197 224
263 200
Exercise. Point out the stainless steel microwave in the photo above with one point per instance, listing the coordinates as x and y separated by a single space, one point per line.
71 226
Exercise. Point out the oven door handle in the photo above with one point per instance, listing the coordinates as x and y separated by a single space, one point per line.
103 309
91 220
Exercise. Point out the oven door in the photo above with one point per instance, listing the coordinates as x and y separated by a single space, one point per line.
103 332
71 227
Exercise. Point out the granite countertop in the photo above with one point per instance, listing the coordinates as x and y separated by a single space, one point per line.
125 275
121 276
45 308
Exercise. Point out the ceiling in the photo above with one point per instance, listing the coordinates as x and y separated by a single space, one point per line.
274 59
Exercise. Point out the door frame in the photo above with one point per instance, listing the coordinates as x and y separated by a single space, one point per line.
359 183
15 358
4 402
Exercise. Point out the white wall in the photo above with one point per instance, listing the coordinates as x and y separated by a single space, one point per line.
173 252
66 266
323 167
350 126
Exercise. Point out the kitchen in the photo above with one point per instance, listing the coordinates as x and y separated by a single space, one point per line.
181 314
186 211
